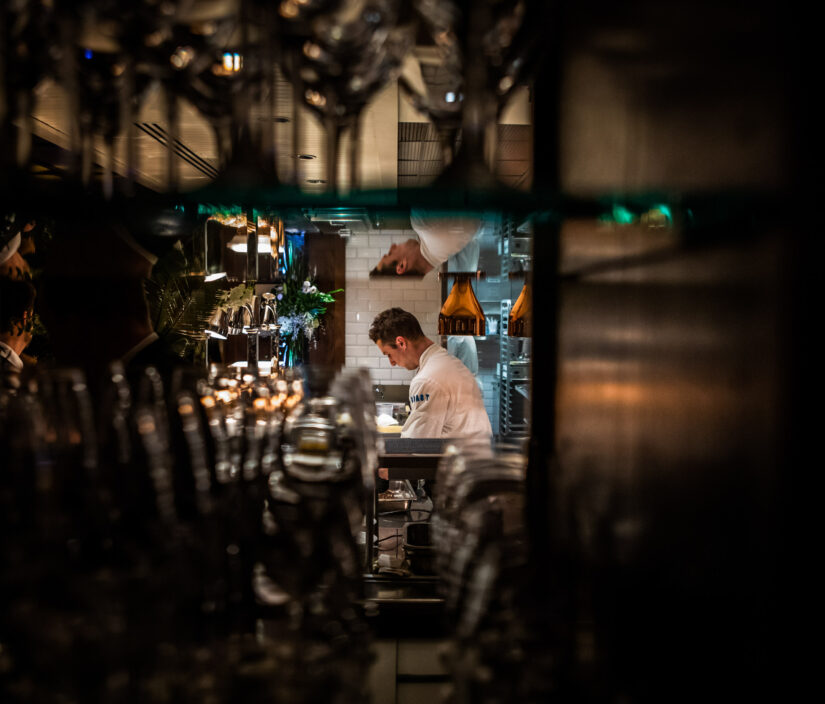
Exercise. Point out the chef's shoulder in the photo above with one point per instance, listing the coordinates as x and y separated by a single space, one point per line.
444 373
445 363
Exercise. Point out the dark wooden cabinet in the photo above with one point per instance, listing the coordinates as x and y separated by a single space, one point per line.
326 256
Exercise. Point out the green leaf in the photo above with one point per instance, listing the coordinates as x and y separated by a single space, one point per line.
180 306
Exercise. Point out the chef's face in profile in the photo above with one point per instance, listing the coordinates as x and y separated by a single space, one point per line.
400 354
399 259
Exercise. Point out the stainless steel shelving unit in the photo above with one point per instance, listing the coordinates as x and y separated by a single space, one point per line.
514 361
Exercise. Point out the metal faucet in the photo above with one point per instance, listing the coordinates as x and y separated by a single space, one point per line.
268 317
257 320
237 317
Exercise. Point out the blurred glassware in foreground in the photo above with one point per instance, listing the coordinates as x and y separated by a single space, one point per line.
104 61
196 531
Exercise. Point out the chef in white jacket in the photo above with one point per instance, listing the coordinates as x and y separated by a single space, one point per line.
440 236
445 401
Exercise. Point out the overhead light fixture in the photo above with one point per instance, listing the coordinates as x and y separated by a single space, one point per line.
215 277
232 62
238 244
305 156
264 365
520 320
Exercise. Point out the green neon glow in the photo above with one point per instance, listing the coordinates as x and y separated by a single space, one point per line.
618 215
664 210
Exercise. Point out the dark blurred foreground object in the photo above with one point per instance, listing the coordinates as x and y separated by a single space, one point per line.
93 301
192 543
15 241
16 315
499 651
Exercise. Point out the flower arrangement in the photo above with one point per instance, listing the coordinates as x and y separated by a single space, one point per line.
300 306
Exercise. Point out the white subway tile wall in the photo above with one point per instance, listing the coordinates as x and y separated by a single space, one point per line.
367 297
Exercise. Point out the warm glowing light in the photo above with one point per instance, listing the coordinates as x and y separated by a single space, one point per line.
312 50
289 9
207 402
264 365
232 62
313 97
145 425
224 396
238 220
238 244
182 57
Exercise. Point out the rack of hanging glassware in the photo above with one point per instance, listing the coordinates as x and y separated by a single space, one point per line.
109 81
189 538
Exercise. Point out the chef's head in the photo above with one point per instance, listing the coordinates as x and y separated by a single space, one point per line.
402 259
398 335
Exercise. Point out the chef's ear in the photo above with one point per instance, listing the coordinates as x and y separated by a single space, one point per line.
401 266
401 342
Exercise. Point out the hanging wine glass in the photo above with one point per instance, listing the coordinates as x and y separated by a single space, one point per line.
439 94
237 94
27 29
340 60
104 51
100 104
186 61
498 42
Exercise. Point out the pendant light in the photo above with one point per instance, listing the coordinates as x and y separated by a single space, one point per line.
461 313
520 320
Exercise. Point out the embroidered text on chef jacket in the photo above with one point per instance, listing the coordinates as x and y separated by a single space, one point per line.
445 401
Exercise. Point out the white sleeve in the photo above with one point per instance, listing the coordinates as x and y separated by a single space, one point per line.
465 259
428 410
441 236
464 349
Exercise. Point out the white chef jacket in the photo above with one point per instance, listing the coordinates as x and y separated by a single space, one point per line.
445 401
8 249
441 236
9 359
